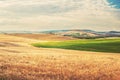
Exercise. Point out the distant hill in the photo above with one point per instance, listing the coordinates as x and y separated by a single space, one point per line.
76 33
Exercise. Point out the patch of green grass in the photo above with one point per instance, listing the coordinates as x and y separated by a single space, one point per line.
99 45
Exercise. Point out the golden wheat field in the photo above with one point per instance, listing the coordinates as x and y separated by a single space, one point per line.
21 61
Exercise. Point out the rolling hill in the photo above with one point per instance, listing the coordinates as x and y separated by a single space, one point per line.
76 33
21 61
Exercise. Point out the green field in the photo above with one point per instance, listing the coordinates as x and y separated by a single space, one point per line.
98 45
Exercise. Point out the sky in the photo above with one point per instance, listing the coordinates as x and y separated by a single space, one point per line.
39 15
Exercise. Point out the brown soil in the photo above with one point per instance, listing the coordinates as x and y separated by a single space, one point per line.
50 37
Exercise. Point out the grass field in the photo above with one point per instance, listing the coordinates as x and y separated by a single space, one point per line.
21 61
99 45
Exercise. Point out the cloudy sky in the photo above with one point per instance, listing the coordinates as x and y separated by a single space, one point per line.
32 15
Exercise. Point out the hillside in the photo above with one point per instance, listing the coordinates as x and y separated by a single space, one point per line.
21 61
76 33
46 37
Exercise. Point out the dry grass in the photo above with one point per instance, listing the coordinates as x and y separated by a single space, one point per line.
50 37
25 62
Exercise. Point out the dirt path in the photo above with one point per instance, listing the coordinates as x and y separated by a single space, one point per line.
21 61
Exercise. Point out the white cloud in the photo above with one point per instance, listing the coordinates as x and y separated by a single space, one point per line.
58 14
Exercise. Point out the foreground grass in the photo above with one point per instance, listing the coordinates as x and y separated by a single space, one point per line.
99 45
25 62
48 64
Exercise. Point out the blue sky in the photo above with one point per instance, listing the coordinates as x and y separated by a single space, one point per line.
115 3
38 15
